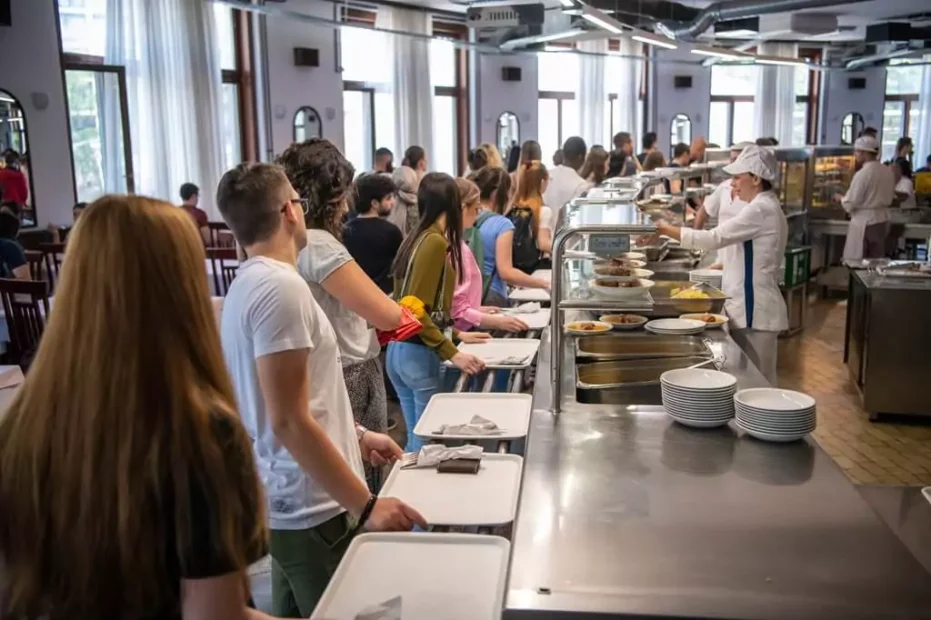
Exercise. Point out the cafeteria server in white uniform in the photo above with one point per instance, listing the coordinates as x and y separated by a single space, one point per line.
867 200
756 241
721 204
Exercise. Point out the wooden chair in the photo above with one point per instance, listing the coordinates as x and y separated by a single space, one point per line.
25 309
52 253
220 235
34 258
225 264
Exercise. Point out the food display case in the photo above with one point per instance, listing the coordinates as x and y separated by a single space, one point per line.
831 171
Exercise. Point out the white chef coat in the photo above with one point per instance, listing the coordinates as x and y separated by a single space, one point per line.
565 184
722 207
757 235
871 192
905 186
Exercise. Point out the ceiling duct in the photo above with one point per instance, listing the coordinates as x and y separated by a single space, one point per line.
740 9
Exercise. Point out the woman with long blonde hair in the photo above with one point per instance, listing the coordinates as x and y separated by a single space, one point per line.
128 487
531 185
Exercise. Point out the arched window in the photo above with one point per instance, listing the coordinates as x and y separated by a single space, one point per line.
680 130
307 124
14 150
850 127
508 132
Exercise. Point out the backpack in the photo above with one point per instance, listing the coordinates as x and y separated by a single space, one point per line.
474 240
524 254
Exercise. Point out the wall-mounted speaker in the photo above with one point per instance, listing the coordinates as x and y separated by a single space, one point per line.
510 74
856 83
6 13
306 57
682 81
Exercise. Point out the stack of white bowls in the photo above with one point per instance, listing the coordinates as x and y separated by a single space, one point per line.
772 414
675 327
698 397
712 277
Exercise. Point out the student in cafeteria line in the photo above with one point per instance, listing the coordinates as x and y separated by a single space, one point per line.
485 154
407 179
283 356
624 143
13 185
904 188
595 168
757 235
497 237
653 160
559 158
532 186
565 181
60 233
13 262
649 146
617 162
927 166
680 159
697 150
190 196
871 192
384 161
130 492
372 240
529 151
351 301
428 267
468 312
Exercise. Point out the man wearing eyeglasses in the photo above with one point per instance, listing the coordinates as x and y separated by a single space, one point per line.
283 357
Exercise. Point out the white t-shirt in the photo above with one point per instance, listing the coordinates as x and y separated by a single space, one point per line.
905 186
269 309
322 256
565 184
546 218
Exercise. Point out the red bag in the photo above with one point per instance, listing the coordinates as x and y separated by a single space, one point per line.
408 328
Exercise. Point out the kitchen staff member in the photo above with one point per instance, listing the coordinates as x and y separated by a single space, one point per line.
756 238
867 200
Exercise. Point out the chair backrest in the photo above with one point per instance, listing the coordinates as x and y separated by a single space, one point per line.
34 259
25 309
52 253
225 264
220 235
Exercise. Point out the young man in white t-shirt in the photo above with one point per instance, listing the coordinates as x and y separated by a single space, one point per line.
284 360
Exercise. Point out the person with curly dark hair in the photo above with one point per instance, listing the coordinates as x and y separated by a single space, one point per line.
350 299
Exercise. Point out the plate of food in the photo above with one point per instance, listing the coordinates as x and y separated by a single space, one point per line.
627 263
621 289
624 321
710 320
631 256
622 273
584 328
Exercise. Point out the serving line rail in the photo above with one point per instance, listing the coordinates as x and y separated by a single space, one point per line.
625 514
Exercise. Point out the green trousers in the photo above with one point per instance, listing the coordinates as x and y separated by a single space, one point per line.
303 561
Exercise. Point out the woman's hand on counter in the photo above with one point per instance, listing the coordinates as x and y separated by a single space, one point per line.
474 337
468 363
379 449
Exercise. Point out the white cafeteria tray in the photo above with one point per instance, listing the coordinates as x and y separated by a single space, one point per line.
543 274
449 576
486 498
493 350
534 320
511 412
529 294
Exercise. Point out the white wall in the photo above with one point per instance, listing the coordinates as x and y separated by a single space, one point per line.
496 96
666 101
30 70
291 87
837 100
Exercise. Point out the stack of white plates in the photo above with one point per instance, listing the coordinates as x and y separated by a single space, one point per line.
773 414
712 277
698 397
675 327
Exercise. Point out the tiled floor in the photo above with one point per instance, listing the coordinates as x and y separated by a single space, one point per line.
897 452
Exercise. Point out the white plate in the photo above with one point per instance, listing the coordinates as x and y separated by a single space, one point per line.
777 437
511 412
633 256
720 319
717 415
775 399
469 584
624 326
572 328
699 397
673 332
698 379
764 426
486 498
629 263
707 273
676 324
769 418
638 274
699 423
610 292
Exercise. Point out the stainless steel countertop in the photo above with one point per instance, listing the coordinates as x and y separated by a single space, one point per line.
625 514
873 280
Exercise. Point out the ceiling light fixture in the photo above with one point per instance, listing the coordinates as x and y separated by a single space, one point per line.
654 40
719 53
602 19
568 3
514 44
780 60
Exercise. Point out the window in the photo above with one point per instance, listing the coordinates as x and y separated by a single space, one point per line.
557 120
83 26
229 118
443 77
901 112
226 41
358 127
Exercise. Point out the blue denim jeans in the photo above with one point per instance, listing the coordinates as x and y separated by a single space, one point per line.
415 373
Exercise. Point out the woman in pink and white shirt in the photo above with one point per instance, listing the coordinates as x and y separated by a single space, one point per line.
467 310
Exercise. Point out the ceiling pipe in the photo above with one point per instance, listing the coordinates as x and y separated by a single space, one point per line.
721 11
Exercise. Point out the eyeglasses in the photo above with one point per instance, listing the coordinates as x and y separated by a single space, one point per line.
305 204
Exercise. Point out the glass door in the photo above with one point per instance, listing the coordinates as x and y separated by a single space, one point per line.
99 121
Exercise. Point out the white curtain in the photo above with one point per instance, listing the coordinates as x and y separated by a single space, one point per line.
173 81
591 92
775 94
410 84
624 79
923 137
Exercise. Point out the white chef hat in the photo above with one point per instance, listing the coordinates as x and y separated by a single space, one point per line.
739 146
866 143
756 160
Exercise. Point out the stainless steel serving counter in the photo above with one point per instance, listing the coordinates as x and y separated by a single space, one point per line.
624 514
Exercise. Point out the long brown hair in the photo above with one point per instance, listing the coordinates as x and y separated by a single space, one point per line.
595 167
531 177
109 451
493 183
